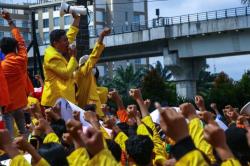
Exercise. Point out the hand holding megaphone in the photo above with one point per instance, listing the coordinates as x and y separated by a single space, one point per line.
66 8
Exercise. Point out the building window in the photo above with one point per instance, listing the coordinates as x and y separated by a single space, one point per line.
45 10
1 21
66 20
126 16
136 19
36 24
25 24
137 61
46 23
26 36
56 8
99 16
46 37
56 21
1 35
7 34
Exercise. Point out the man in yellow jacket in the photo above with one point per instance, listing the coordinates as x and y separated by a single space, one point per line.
59 65
87 88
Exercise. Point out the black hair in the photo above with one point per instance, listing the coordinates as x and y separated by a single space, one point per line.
237 142
115 149
90 107
54 154
8 45
59 127
140 149
124 127
56 35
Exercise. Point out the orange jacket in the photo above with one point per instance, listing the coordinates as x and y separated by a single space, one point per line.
29 86
15 68
4 93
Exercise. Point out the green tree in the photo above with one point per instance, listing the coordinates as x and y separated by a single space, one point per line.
156 89
243 89
163 71
124 79
223 91
205 82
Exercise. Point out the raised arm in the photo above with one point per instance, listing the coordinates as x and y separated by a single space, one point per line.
96 53
73 30
22 51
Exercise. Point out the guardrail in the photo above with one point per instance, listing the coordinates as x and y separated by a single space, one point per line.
167 21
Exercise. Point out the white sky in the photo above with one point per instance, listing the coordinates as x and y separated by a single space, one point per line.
234 66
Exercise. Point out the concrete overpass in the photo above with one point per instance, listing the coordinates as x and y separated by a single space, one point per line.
184 41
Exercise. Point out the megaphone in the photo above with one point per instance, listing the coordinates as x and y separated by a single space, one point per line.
66 8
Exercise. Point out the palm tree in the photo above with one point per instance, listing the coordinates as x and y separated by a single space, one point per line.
127 78
245 2
163 71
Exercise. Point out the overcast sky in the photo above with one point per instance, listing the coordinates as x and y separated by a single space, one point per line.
235 66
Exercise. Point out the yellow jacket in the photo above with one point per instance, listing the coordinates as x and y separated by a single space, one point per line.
187 154
87 88
80 157
196 132
159 148
58 73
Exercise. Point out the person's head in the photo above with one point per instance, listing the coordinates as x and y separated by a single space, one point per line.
59 40
8 45
140 149
59 127
237 142
90 107
115 149
54 154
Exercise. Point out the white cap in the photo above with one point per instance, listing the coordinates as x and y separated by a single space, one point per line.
83 59
245 109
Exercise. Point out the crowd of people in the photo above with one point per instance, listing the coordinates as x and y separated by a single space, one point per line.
190 135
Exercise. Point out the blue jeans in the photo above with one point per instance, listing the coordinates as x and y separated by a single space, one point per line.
18 115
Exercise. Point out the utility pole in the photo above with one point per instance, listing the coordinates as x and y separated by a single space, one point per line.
82 39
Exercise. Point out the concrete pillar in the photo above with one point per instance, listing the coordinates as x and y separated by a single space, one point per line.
185 72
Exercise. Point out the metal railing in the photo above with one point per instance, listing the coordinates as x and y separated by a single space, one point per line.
167 21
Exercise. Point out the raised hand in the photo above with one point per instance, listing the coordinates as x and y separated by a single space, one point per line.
147 102
188 111
173 124
214 135
199 101
135 93
93 141
106 31
6 15
6 143
22 143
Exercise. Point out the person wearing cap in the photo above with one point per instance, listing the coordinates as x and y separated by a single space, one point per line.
59 64
87 88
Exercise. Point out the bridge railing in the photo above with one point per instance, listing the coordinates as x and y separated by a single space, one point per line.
167 21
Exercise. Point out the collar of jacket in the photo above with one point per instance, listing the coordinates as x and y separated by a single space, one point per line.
10 55
54 54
